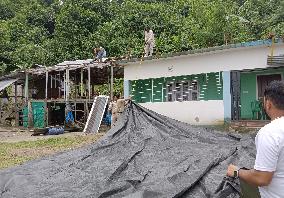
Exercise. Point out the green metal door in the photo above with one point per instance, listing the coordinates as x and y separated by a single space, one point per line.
38 114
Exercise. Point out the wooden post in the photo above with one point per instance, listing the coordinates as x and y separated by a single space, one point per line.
64 85
85 119
16 105
108 81
81 82
93 92
22 91
86 111
59 86
30 115
75 86
89 82
46 83
76 91
111 81
51 81
67 84
55 79
46 113
75 116
45 105
27 99
27 88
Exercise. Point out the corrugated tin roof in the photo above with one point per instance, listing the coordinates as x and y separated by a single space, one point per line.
267 42
6 83
71 65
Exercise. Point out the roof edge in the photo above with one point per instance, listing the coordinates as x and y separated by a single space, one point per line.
258 43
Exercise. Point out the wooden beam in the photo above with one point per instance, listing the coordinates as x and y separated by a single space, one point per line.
86 111
75 116
67 84
55 79
46 114
45 101
23 90
59 85
27 87
16 105
30 115
64 85
46 83
89 82
111 81
87 108
81 85
51 81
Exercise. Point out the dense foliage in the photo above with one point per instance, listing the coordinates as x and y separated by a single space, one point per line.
50 31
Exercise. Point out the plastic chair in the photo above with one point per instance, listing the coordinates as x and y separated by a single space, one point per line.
256 109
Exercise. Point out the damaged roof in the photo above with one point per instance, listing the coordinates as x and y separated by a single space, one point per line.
267 42
71 65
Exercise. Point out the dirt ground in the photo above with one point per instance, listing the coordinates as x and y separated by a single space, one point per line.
13 135
18 146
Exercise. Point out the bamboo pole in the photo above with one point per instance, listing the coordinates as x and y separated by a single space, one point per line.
55 79
59 86
30 115
46 83
67 85
89 82
51 82
64 85
75 111
81 86
27 88
111 81
45 102
16 105
27 102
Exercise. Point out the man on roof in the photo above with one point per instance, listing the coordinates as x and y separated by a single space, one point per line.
268 171
99 53
149 41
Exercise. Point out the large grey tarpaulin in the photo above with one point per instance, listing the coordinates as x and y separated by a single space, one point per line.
145 155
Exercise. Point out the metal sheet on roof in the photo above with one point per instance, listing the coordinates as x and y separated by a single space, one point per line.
6 83
71 65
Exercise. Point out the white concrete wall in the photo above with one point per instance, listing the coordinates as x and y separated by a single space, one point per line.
223 60
192 112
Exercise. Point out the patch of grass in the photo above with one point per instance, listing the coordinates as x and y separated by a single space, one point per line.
227 127
12 154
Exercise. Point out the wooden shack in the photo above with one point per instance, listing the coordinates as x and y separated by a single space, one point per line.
46 91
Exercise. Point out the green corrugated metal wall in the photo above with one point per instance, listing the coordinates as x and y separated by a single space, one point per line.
210 87
38 114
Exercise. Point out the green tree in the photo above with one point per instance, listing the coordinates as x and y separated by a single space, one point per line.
51 31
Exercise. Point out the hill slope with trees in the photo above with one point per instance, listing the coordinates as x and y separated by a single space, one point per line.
50 31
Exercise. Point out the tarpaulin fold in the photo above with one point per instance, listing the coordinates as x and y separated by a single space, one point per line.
144 155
